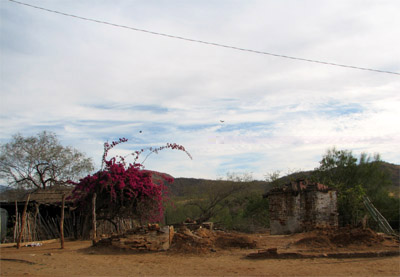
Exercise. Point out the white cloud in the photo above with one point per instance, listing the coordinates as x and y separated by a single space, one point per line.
90 82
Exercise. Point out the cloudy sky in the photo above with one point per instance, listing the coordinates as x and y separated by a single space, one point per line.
90 82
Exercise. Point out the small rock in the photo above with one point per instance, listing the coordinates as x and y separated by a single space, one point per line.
48 254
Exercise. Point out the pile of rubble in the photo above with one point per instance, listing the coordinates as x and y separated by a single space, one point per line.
204 240
186 238
345 242
152 238
342 237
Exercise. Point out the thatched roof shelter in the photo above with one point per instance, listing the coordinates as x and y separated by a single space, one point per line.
49 196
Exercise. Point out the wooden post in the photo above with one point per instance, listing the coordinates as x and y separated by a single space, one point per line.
94 218
35 223
28 225
16 221
23 221
62 221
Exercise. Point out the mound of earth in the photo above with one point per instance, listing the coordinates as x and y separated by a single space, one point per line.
204 241
342 237
314 242
347 236
227 240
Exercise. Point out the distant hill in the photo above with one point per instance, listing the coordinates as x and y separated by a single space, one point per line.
392 169
182 186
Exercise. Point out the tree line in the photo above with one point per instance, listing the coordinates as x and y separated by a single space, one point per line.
41 162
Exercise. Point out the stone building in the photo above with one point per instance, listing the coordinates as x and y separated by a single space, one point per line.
301 206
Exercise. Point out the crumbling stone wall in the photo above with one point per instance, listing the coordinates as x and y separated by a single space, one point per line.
298 211
326 214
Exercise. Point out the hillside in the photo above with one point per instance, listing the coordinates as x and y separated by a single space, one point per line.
182 186
394 172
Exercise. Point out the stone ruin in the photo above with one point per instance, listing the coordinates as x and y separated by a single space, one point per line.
302 206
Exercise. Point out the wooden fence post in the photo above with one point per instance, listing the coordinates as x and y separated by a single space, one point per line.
16 221
23 221
94 218
35 223
62 221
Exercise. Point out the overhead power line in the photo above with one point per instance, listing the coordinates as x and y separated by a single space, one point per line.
204 42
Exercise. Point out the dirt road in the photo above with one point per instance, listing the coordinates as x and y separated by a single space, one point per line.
80 259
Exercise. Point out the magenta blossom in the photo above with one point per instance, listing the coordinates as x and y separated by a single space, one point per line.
125 190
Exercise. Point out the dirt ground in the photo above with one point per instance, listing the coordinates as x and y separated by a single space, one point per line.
209 254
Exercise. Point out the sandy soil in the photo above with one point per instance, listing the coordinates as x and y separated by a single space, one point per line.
80 259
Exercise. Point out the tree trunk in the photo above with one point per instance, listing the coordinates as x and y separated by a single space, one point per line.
94 218
23 221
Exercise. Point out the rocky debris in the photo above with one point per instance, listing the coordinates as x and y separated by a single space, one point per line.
151 238
186 239
342 237
205 240
314 242
339 243
317 243
347 236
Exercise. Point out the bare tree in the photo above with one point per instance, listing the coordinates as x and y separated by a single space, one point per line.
41 162
273 178
213 197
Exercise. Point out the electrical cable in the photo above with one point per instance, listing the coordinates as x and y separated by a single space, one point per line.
204 42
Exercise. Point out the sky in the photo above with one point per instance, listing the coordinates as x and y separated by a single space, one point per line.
234 111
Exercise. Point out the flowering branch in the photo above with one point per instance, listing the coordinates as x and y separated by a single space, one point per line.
125 190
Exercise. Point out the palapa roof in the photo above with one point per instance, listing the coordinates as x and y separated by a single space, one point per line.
51 195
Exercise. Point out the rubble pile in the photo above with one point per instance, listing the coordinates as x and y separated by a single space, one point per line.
204 240
347 236
151 237
335 243
314 242
185 239
342 237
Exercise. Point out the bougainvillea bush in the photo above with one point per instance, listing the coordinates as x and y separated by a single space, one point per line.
125 190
